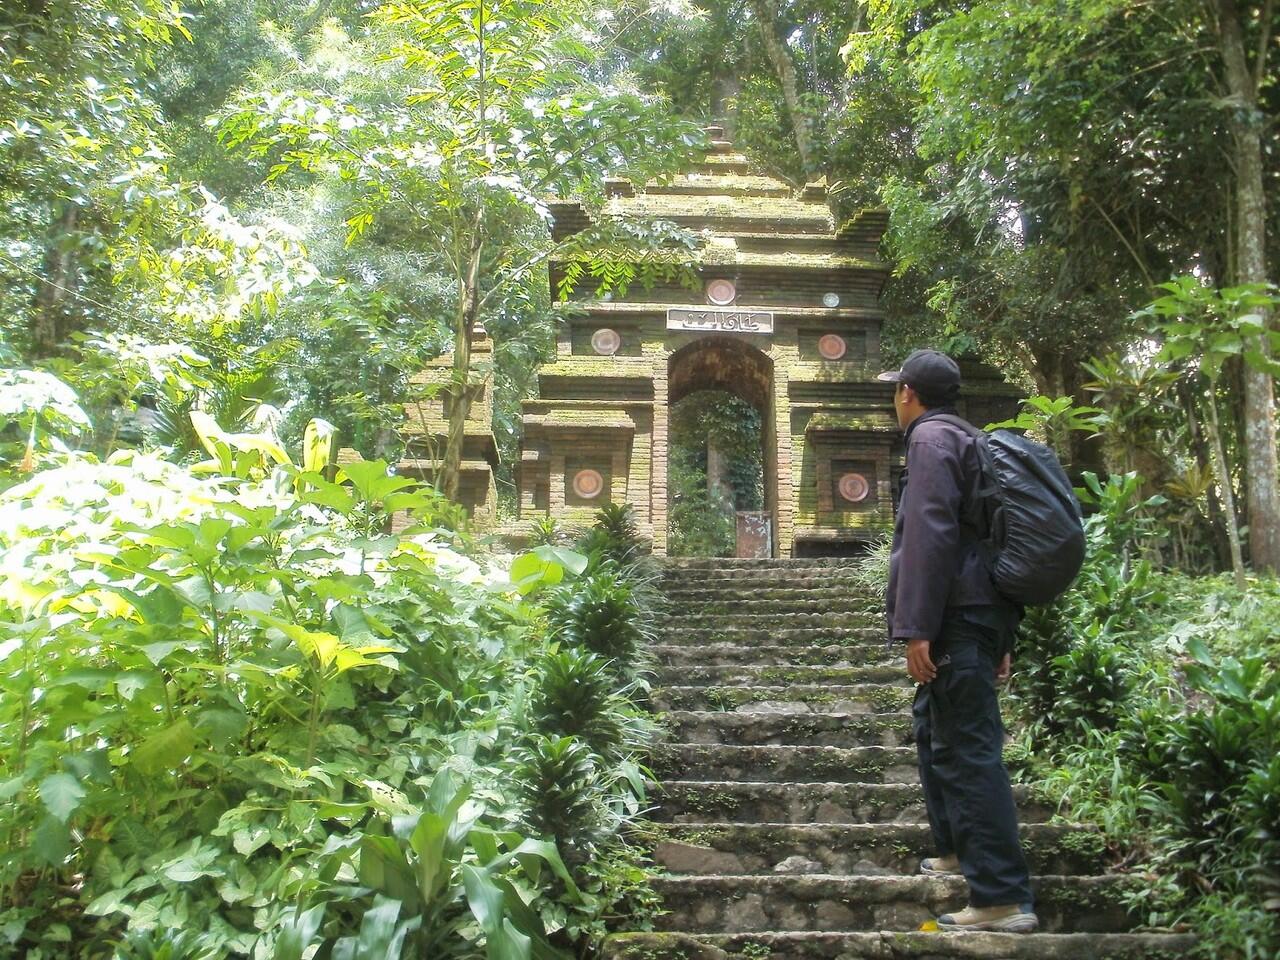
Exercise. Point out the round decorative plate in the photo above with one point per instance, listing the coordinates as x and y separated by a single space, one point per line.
831 300
606 342
854 487
832 347
721 292
588 484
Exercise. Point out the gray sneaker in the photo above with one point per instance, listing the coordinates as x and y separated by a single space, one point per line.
947 866
1009 919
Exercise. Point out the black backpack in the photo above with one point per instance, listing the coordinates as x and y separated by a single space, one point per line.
1029 514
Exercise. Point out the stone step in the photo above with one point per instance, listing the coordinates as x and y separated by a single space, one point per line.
771 764
692 607
812 729
848 582
850 633
676 565
824 698
764 620
858 849
792 945
737 186
738 675
698 593
726 654
742 904
703 801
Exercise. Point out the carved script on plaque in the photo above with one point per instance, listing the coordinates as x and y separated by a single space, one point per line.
723 321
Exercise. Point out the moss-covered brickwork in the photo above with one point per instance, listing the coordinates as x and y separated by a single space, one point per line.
604 401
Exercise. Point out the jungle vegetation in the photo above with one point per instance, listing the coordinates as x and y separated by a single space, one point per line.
232 230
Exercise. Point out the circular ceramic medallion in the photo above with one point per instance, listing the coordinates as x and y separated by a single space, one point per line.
721 292
832 347
588 484
606 342
854 487
831 300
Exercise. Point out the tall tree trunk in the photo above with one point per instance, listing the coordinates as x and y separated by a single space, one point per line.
1263 499
784 67
49 314
468 311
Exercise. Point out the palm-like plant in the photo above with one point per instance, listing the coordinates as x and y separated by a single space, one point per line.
599 613
560 786
577 694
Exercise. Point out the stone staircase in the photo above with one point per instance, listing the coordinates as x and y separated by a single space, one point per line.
790 819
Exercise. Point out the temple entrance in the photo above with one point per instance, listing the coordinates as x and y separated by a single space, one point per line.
721 463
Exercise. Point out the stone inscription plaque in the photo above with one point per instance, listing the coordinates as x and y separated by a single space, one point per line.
721 321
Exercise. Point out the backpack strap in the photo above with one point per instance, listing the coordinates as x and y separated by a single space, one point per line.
980 507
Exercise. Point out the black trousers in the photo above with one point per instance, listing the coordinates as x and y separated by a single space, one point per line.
959 738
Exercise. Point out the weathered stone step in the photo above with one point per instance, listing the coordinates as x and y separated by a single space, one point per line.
768 675
698 593
702 801
747 581
859 849
860 611
826 698
674 565
765 619
742 185
673 633
770 764
724 654
808 945
742 904
811 729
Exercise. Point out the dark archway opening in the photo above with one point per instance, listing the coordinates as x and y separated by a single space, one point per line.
716 471
722 458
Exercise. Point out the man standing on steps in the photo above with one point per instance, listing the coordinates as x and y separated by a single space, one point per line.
958 633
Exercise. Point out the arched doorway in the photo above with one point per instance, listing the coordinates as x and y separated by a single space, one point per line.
733 366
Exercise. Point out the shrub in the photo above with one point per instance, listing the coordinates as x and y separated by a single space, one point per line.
577 694
560 785
599 613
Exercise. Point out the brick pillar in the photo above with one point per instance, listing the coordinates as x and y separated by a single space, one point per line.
618 476
787 492
658 461
556 493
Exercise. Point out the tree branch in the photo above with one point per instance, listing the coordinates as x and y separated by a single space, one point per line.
1264 42
1146 275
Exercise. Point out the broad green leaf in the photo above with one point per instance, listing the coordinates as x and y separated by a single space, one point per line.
571 560
61 794
248 839
529 571
384 868
483 898
297 931
51 841
130 682
317 444
158 652
165 749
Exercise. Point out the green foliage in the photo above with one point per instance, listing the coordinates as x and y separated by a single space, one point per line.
600 614
305 731
561 786
577 695
1053 419
1155 697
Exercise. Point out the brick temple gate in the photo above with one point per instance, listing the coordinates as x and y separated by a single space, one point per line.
788 318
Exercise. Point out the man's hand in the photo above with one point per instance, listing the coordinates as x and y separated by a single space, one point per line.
1003 668
919 663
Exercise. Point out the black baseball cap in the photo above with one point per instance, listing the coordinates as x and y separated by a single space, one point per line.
931 374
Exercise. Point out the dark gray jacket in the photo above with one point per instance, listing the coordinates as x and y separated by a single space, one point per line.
936 563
